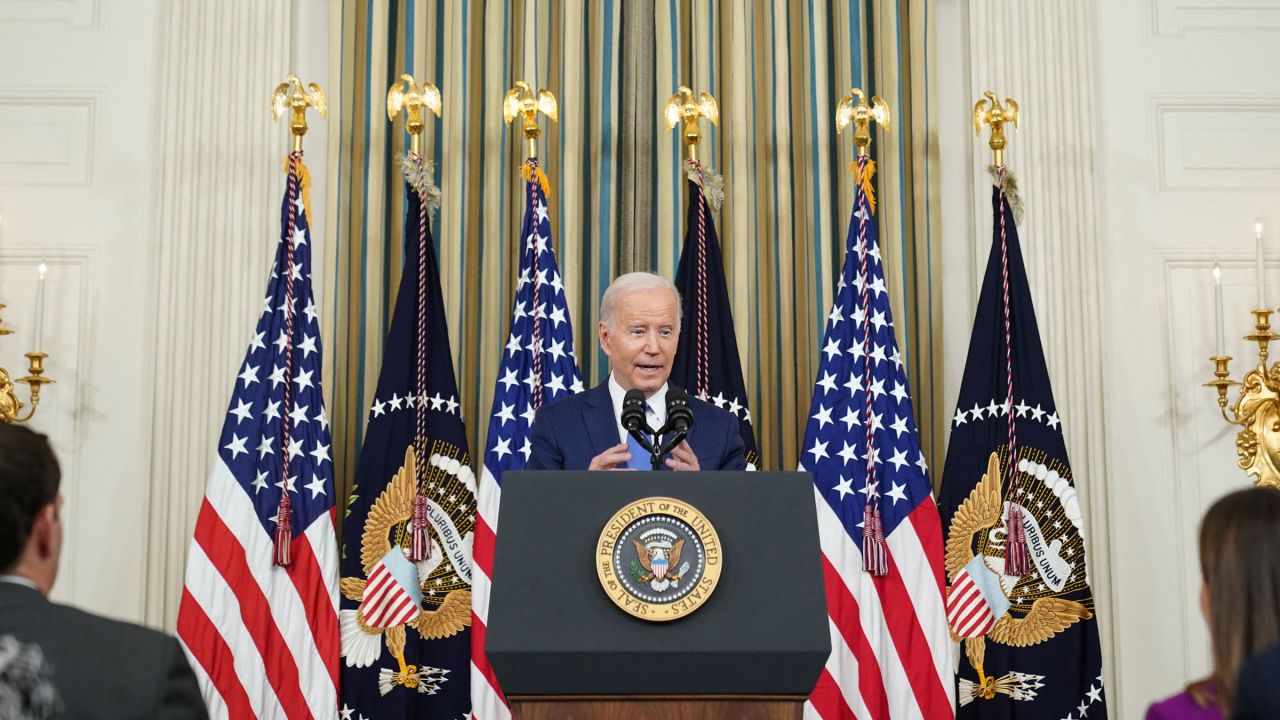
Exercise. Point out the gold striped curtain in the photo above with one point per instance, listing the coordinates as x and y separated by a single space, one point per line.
617 203
778 70
474 51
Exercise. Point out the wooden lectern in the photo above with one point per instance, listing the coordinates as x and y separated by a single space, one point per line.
562 649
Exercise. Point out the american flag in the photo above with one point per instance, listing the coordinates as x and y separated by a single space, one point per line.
538 366
261 636
879 527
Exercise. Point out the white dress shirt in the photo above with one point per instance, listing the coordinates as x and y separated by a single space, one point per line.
19 580
655 407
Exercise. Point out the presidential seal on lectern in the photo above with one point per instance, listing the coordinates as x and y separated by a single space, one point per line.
658 558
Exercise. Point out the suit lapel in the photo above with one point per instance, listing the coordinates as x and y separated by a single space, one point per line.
602 426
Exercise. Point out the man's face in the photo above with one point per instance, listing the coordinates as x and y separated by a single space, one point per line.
641 340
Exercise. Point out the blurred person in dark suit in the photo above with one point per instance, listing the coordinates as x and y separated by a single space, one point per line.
1240 599
101 668
1257 689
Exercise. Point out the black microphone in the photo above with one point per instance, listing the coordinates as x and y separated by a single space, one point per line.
633 411
633 419
679 418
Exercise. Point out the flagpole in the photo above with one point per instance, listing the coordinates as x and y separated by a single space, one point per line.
989 111
687 108
874 549
408 96
290 95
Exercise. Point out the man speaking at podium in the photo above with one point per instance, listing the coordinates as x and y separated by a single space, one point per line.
639 329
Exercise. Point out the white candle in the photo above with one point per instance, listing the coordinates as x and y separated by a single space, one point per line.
1262 266
40 309
1217 304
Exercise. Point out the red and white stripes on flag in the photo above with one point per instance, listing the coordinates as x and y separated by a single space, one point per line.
967 610
891 654
386 603
487 701
263 640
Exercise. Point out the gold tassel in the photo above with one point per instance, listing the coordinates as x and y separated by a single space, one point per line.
540 176
304 187
862 175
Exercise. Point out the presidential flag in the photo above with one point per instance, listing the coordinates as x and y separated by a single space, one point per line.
538 366
259 610
707 362
406 567
1019 587
877 522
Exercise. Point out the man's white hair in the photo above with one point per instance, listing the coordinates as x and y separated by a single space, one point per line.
634 282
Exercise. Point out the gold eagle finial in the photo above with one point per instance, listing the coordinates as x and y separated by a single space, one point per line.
521 101
290 95
989 111
861 114
406 94
686 107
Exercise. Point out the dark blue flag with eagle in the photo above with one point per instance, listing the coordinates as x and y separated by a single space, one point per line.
1018 596
405 612
707 362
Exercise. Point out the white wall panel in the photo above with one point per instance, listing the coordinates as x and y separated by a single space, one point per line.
1174 17
76 14
47 135
1218 143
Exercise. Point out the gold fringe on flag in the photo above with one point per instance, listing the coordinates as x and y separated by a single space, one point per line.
862 175
304 185
541 177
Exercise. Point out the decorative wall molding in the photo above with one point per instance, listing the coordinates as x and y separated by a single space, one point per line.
1176 17
1019 50
64 405
1204 466
1217 143
76 14
216 218
47 135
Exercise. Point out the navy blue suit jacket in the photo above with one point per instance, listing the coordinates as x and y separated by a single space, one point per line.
569 432
1257 695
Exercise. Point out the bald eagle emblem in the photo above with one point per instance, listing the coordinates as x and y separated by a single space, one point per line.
432 598
658 554
983 603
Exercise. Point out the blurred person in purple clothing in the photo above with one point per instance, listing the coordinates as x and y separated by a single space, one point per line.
1239 597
